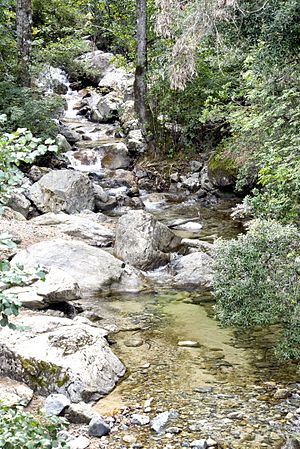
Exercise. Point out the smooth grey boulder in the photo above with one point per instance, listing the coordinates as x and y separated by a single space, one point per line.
128 117
13 392
58 286
193 270
92 268
98 427
55 403
62 143
62 191
143 241
79 226
59 355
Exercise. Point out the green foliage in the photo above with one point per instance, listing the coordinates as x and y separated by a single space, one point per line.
19 146
20 429
181 114
257 280
11 276
26 108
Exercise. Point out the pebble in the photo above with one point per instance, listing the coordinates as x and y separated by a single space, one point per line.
134 343
161 420
282 393
189 344
140 420
199 444
128 438
79 443
98 427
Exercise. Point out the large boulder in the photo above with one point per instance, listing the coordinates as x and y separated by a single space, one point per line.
115 156
58 286
79 226
62 190
108 107
92 268
193 270
143 241
95 64
117 79
59 355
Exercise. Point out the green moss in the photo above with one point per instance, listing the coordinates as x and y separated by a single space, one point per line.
40 374
222 162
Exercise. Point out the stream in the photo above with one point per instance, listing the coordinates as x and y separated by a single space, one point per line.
225 384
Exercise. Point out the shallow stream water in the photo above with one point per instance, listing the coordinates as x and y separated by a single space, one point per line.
230 372
225 387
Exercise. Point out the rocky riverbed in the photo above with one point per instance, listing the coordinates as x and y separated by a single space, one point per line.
121 336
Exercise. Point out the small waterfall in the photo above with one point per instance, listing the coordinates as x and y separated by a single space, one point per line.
89 160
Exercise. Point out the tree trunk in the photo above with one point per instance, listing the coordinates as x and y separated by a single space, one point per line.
24 40
140 83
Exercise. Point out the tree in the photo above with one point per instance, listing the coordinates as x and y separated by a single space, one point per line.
140 84
24 40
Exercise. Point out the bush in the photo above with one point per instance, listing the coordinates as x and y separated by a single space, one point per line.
21 430
256 281
15 148
26 108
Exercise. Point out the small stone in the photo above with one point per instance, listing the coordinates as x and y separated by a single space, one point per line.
235 415
80 413
174 430
140 420
161 420
148 402
282 393
211 443
189 344
79 443
199 444
129 439
134 342
55 404
63 435
98 427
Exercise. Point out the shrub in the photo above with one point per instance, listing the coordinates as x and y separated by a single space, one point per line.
15 148
256 281
27 108
20 429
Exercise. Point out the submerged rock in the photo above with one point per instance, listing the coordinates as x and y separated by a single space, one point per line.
143 241
58 355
